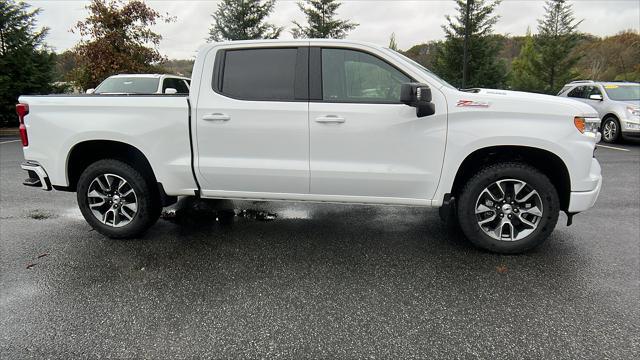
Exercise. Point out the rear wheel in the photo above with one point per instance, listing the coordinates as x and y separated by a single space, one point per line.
610 130
116 200
508 208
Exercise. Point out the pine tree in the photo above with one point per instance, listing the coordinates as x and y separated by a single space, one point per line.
26 64
321 21
393 45
485 68
243 20
557 37
523 75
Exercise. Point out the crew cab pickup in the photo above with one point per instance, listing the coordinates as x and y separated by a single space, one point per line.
323 121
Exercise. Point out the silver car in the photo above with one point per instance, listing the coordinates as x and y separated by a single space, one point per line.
617 103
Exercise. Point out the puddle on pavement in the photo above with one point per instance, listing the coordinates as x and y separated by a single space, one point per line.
294 214
191 210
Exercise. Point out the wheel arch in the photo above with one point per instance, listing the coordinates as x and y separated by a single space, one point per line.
547 162
87 152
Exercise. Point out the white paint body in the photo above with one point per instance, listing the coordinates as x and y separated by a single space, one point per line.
381 153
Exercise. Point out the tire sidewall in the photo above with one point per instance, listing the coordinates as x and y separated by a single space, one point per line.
537 180
146 206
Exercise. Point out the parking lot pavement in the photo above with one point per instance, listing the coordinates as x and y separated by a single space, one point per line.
319 281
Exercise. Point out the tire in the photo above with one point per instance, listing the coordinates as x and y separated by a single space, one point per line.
611 130
509 178
131 202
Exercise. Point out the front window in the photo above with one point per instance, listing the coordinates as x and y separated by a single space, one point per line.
128 85
354 76
627 92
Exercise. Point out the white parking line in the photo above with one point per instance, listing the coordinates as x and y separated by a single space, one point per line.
10 141
613 148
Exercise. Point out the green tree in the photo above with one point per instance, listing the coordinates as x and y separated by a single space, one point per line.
485 68
26 64
393 45
557 37
523 75
321 21
117 38
243 20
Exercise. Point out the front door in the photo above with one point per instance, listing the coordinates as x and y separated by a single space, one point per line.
252 123
363 141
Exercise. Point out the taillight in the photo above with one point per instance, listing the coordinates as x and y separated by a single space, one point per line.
22 110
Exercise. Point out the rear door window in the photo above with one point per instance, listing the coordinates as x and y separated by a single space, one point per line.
259 74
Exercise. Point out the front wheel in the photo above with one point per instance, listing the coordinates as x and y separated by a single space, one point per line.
116 200
508 208
611 130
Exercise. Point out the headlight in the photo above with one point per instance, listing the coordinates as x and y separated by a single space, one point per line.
587 126
634 111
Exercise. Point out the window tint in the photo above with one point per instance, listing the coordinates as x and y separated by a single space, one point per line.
177 84
354 76
578 92
260 74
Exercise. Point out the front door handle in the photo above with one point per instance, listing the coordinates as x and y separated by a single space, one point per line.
330 119
216 117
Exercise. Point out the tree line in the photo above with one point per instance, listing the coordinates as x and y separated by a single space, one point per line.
116 37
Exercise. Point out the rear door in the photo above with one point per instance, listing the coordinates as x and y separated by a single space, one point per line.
252 122
363 141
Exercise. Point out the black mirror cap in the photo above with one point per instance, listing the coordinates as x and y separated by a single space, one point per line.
425 109
419 96
413 94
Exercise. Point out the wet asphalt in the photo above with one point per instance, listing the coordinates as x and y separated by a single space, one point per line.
290 280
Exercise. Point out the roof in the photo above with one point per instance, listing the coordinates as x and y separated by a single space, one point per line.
579 82
293 42
149 76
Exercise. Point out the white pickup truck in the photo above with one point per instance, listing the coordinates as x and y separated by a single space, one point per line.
323 121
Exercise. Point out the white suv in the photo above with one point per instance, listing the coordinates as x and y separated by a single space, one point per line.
143 84
617 103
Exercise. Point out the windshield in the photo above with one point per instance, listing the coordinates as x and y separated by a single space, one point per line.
422 68
623 92
128 85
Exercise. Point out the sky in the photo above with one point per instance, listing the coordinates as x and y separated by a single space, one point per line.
413 22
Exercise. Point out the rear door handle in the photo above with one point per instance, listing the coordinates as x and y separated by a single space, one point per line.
216 117
330 119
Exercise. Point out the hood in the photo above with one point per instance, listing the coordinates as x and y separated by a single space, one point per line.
635 103
535 98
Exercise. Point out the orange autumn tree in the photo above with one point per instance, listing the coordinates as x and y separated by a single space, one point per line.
116 38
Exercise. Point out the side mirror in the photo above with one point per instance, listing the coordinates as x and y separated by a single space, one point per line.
419 96
170 91
91 91
596 97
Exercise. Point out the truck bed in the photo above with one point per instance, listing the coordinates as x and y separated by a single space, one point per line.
157 125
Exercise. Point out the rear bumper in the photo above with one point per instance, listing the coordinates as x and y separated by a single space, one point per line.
37 175
583 200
